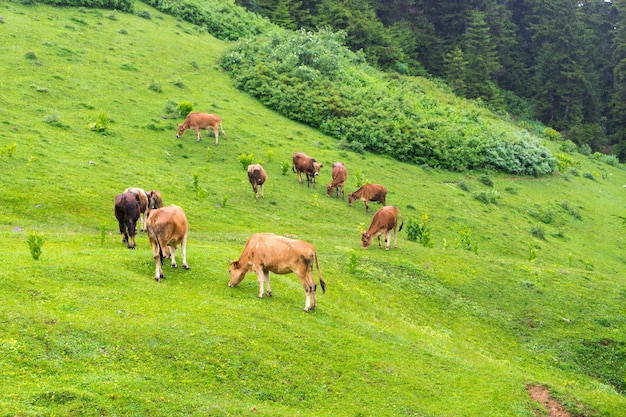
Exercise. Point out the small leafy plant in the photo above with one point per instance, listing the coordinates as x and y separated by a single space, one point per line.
35 242
245 160
420 231
360 178
184 108
100 124
284 167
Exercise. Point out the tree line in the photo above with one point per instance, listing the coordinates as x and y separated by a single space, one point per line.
562 62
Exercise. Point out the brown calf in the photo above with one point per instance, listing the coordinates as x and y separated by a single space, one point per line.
142 196
303 163
384 220
257 178
367 193
339 179
167 228
267 252
199 121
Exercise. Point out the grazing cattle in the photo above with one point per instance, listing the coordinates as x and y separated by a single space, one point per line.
384 220
367 193
127 213
154 201
199 121
303 163
257 178
267 252
167 228
339 179
143 205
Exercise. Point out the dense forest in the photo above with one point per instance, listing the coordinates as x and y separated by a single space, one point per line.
562 62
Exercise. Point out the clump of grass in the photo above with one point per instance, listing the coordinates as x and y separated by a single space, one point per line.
53 120
184 108
486 179
487 197
35 242
144 14
284 167
100 124
156 87
30 55
538 232
589 176
463 186
353 262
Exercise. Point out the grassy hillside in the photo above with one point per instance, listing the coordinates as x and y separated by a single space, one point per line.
524 282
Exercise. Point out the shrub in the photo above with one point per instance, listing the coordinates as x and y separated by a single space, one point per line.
486 179
245 160
284 167
463 186
312 78
184 108
360 178
35 242
154 86
419 231
539 232
100 124
487 197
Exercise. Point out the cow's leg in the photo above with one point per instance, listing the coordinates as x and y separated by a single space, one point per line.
198 134
158 273
268 288
387 239
183 251
216 131
379 245
300 177
260 274
262 190
367 206
172 250
395 237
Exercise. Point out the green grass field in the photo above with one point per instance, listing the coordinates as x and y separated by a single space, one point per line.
524 282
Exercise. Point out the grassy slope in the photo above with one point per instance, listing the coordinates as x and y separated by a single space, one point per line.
416 331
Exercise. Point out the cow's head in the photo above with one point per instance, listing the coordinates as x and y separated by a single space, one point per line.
329 189
366 240
316 167
351 199
237 273
180 131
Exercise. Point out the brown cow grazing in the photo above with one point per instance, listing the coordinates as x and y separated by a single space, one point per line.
127 213
197 121
367 193
155 201
257 178
143 205
167 228
267 252
302 163
384 220
339 179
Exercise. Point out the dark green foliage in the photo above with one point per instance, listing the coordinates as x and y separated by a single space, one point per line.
312 78
121 5
486 179
221 19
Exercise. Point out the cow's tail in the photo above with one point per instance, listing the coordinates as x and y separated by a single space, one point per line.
153 236
402 220
319 275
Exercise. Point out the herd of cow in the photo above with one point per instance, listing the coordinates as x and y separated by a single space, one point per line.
263 253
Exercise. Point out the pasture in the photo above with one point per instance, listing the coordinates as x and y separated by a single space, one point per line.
520 280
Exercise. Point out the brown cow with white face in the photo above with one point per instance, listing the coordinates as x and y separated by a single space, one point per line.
257 178
127 213
339 180
197 121
367 193
303 163
267 252
384 220
167 228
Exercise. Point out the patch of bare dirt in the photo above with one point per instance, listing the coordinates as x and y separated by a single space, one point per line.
542 396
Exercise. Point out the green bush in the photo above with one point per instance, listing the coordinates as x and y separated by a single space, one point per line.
184 108
312 78
35 242
419 231
245 160
121 5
